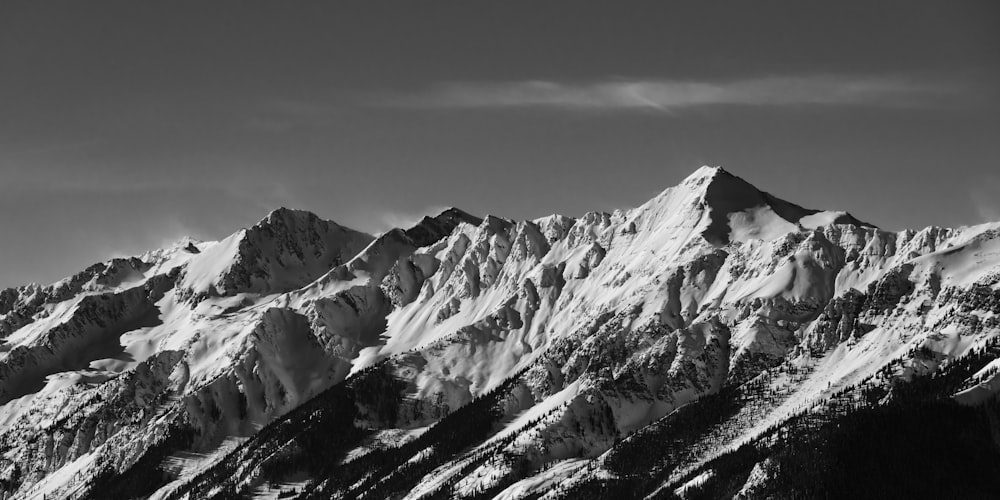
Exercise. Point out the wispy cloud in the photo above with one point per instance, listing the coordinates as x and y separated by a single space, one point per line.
984 198
668 95
283 115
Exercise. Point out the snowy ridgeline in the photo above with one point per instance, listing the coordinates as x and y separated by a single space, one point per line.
470 357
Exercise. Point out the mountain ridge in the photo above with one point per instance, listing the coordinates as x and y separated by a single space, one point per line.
554 339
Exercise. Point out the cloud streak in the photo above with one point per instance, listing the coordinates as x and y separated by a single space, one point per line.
671 95
984 199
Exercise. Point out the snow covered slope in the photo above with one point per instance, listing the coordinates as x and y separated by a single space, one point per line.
469 357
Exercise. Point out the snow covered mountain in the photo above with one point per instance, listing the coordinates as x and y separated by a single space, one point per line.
676 348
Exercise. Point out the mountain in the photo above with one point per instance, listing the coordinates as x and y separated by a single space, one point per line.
713 342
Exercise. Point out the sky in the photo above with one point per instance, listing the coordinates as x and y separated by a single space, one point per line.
127 125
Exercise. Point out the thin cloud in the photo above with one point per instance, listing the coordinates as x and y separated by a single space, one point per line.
669 95
282 115
984 199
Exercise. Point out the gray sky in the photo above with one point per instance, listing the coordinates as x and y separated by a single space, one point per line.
125 125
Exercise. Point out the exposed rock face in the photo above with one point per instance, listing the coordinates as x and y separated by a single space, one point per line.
468 355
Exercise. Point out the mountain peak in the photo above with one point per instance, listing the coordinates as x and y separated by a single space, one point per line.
704 174
737 209
283 251
284 214
455 213
431 229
